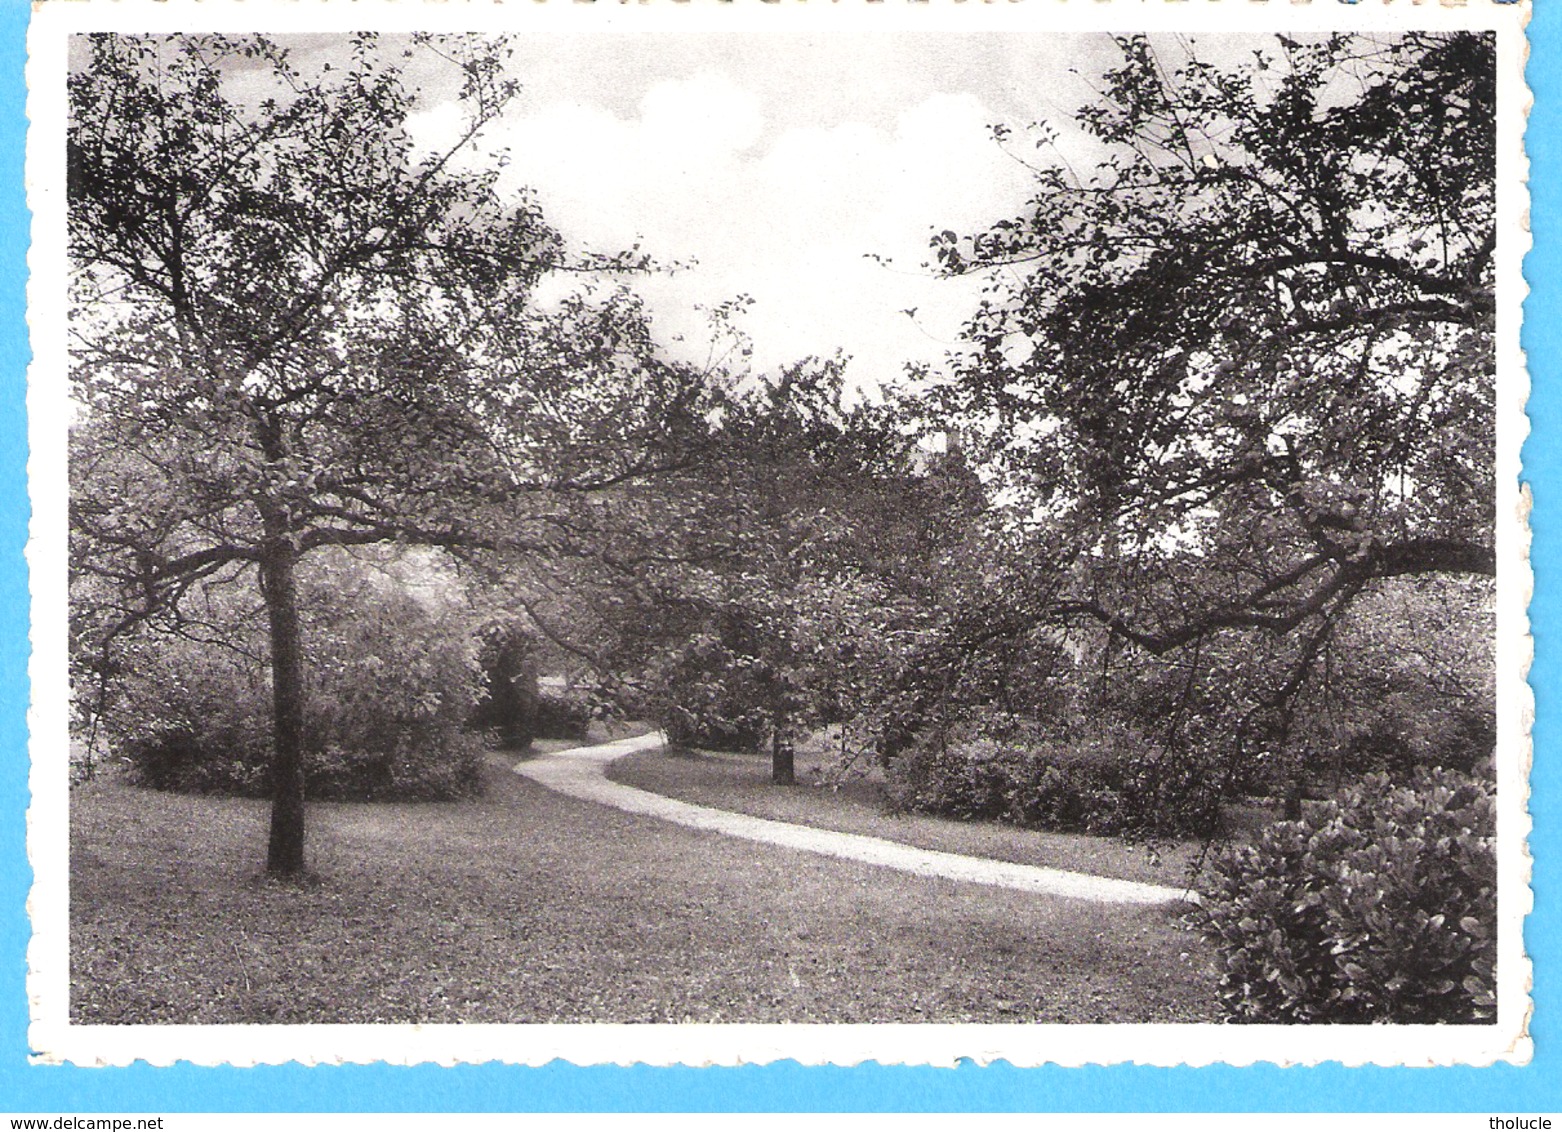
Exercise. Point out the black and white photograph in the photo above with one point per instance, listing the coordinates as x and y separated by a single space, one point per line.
1010 536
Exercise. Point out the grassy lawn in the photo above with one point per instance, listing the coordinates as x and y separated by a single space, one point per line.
742 783
527 906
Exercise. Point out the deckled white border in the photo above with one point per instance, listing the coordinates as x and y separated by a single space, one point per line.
54 1040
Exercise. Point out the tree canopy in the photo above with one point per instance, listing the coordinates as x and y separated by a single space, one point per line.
1238 369
1217 439
295 327
1254 340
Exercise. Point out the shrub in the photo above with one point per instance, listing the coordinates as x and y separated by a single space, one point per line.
391 680
1085 787
711 695
1110 782
561 715
507 703
1378 906
193 718
214 737
409 767
966 780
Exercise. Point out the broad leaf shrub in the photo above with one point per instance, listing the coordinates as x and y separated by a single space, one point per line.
192 717
506 655
711 693
1110 782
391 683
1378 906
562 714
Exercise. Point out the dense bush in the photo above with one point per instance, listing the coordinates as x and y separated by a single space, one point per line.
686 727
1109 782
506 703
1411 681
391 680
961 780
1379 906
515 702
562 714
193 717
712 693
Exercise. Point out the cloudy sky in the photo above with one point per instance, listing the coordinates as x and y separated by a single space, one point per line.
779 164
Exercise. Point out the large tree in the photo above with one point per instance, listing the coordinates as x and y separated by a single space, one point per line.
1238 368
753 621
296 327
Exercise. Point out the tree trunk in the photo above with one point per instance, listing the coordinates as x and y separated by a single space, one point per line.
782 756
285 852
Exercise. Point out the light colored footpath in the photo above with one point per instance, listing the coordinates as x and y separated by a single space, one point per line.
582 773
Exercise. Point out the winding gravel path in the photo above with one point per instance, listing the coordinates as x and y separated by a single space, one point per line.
581 773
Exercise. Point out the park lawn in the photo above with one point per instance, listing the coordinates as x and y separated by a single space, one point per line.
528 906
741 782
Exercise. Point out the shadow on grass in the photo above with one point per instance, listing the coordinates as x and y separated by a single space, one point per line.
528 906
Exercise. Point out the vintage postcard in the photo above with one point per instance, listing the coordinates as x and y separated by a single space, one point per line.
694 533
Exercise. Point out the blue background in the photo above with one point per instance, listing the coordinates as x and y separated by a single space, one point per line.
1536 1087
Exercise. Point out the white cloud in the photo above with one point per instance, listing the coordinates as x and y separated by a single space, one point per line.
705 116
785 216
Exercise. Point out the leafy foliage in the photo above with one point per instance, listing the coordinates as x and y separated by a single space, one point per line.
788 590
713 692
392 680
563 714
192 718
508 701
298 327
1261 324
1110 781
1409 680
1379 906
1235 373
